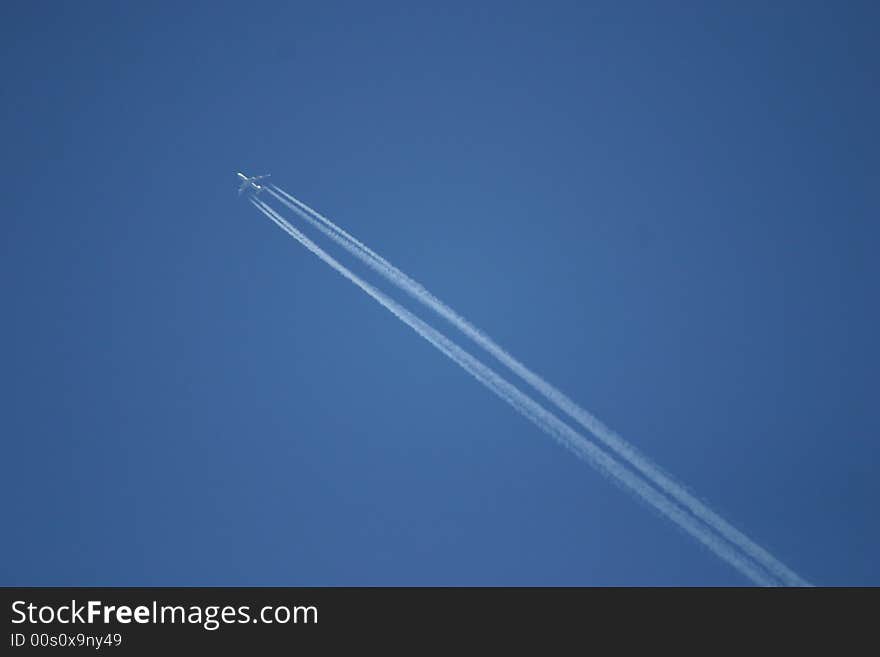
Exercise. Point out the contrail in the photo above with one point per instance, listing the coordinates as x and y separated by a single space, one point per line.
541 417
604 434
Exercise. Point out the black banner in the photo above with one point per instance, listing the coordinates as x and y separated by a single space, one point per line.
117 620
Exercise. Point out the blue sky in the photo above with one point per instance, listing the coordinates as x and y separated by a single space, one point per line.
669 210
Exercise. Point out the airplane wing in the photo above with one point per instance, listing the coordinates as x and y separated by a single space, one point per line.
243 186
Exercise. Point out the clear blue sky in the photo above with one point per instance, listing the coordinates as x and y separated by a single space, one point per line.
670 210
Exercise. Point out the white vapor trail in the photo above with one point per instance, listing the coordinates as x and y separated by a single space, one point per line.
604 434
544 419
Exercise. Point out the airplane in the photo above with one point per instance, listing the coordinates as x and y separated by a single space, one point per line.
250 182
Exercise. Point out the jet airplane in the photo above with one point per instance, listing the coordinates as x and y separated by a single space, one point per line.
250 183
